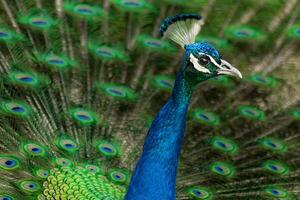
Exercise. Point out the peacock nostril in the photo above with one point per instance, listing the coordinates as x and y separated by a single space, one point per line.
226 66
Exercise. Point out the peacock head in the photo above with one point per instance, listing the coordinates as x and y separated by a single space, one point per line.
201 60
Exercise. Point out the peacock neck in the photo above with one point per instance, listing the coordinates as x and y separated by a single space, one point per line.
155 174
182 91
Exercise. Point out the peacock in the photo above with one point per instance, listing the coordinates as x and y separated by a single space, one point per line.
94 104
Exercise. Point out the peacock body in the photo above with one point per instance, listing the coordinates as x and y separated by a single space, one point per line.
83 81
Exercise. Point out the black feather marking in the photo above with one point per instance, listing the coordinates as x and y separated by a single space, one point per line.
171 20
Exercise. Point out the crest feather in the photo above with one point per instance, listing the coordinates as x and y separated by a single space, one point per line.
182 28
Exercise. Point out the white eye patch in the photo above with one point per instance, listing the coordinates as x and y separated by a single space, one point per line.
197 66
224 64
212 60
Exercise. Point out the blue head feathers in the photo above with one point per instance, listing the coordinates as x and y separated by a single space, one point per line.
204 48
202 60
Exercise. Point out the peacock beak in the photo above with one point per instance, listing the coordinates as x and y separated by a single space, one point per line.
227 68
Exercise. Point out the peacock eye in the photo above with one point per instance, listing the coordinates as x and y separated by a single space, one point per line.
203 61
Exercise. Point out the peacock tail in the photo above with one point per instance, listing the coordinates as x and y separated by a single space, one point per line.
81 82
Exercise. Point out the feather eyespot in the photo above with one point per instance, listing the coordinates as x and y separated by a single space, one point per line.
223 169
131 2
3 34
15 108
41 173
273 144
65 143
8 162
92 169
224 145
118 176
6 197
26 79
63 162
206 117
29 186
7 35
251 112
33 149
39 22
199 192
276 167
84 9
83 116
108 149
276 192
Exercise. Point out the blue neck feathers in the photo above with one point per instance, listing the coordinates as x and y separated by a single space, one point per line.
155 174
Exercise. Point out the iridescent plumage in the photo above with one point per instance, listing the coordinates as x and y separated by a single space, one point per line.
82 81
